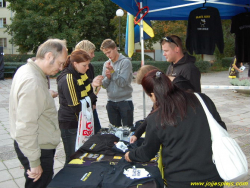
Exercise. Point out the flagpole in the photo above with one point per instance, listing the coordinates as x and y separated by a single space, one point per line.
142 57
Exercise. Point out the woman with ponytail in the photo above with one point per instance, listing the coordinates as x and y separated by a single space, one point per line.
73 86
178 123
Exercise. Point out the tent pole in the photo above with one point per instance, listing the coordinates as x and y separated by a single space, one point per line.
142 57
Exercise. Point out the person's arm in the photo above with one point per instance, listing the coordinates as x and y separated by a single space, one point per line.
150 146
235 67
30 106
106 81
122 78
141 129
193 74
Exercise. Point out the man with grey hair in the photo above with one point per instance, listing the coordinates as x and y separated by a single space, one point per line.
33 114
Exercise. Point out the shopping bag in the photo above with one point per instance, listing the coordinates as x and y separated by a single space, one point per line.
229 159
85 123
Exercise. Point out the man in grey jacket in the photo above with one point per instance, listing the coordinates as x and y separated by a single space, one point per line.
117 72
33 114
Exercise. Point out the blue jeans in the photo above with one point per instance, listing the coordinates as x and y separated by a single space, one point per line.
69 142
121 112
47 163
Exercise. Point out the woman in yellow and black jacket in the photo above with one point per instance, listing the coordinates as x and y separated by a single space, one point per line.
73 86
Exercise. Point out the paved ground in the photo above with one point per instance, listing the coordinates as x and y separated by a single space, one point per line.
234 109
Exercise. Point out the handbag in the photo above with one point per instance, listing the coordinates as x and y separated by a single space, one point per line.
85 123
230 161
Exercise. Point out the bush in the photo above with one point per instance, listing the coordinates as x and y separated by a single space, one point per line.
240 81
100 56
162 65
226 62
217 66
17 57
203 66
18 64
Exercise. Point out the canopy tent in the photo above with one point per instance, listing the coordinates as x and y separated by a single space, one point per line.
178 10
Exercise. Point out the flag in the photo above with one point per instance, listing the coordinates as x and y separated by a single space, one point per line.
148 31
133 33
129 44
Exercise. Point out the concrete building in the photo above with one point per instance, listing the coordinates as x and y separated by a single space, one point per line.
5 18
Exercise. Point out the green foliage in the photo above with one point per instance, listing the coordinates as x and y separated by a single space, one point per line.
35 21
217 66
203 66
226 62
229 41
240 81
100 56
17 57
18 64
162 65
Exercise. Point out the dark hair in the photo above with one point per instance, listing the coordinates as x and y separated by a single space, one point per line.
77 56
170 100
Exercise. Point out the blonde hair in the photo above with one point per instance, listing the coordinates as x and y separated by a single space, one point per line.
55 46
85 45
142 71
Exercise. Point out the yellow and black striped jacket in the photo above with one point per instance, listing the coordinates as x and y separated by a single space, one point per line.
72 87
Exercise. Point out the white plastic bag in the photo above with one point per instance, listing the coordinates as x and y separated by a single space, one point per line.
85 123
230 161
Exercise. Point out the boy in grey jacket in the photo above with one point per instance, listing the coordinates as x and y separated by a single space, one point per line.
117 72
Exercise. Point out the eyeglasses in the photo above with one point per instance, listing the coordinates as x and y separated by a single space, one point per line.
169 39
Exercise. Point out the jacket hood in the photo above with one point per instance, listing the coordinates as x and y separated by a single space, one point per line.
186 58
121 57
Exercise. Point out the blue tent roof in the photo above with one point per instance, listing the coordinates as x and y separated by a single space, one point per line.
180 9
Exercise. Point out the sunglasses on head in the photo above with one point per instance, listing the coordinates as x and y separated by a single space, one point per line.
169 39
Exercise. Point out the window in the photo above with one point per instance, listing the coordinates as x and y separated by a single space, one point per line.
2 22
2 3
3 42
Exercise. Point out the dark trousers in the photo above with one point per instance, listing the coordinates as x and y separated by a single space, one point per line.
47 163
69 142
97 125
121 112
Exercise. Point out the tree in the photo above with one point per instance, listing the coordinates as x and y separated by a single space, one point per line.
35 21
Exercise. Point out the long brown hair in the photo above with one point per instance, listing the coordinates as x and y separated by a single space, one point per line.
77 56
170 100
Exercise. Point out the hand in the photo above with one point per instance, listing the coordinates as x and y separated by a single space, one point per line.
127 157
54 94
109 67
35 173
93 107
108 74
97 81
133 139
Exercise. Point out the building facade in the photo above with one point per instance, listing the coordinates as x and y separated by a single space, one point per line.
5 18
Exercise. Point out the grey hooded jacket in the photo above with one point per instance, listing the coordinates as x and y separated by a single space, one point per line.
119 86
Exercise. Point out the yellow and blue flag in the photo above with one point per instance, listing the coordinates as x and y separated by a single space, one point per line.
133 33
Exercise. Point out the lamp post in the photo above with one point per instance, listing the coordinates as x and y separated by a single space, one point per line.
119 13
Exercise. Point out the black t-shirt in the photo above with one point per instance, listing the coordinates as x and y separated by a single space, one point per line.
241 27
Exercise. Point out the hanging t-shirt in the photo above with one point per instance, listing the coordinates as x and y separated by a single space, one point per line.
241 27
204 31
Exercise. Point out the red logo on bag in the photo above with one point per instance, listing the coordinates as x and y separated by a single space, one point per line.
89 130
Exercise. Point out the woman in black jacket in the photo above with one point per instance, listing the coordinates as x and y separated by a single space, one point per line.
73 86
179 124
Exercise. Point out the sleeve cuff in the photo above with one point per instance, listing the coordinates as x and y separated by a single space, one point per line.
35 163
